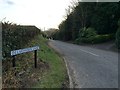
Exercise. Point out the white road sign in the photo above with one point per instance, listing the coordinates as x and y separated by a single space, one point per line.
15 52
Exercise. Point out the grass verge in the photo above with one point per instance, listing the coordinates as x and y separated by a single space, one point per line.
56 76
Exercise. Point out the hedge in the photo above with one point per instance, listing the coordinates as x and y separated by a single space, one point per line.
16 37
118 38
96 39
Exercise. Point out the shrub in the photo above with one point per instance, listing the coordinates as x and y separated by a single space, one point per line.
87 33
101 38
117 41
119 22
96 39
118 38
16 37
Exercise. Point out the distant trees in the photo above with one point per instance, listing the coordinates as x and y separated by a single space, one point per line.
50 32
102 16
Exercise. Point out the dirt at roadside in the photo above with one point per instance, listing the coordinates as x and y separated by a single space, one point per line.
24 75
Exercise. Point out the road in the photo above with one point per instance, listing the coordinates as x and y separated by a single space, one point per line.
89 67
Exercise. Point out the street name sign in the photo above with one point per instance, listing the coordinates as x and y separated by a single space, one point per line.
20 51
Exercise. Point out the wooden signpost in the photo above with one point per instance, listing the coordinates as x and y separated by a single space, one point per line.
20 51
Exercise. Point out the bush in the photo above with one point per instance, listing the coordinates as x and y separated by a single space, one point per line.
101 38
87 33
117 41
96 39
119 22
16 37
118 38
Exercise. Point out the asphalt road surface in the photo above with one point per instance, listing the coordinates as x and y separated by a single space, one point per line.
89 67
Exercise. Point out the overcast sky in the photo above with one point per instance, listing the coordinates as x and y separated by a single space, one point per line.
42 13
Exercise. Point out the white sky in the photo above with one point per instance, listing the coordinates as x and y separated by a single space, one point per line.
42 13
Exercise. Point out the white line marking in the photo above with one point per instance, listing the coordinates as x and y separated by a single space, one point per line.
89 52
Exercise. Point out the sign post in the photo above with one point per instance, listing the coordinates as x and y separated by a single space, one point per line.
20 51
35 58
13 61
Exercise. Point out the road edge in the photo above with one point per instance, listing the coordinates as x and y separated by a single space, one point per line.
66 64
68 72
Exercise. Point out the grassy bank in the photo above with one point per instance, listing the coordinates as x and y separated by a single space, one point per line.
56 75
50 73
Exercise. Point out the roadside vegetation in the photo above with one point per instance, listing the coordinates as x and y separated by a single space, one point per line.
16 36
118 35
56 76
90 22
89 35
51 70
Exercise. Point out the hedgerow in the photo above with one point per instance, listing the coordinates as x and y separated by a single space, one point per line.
16 37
